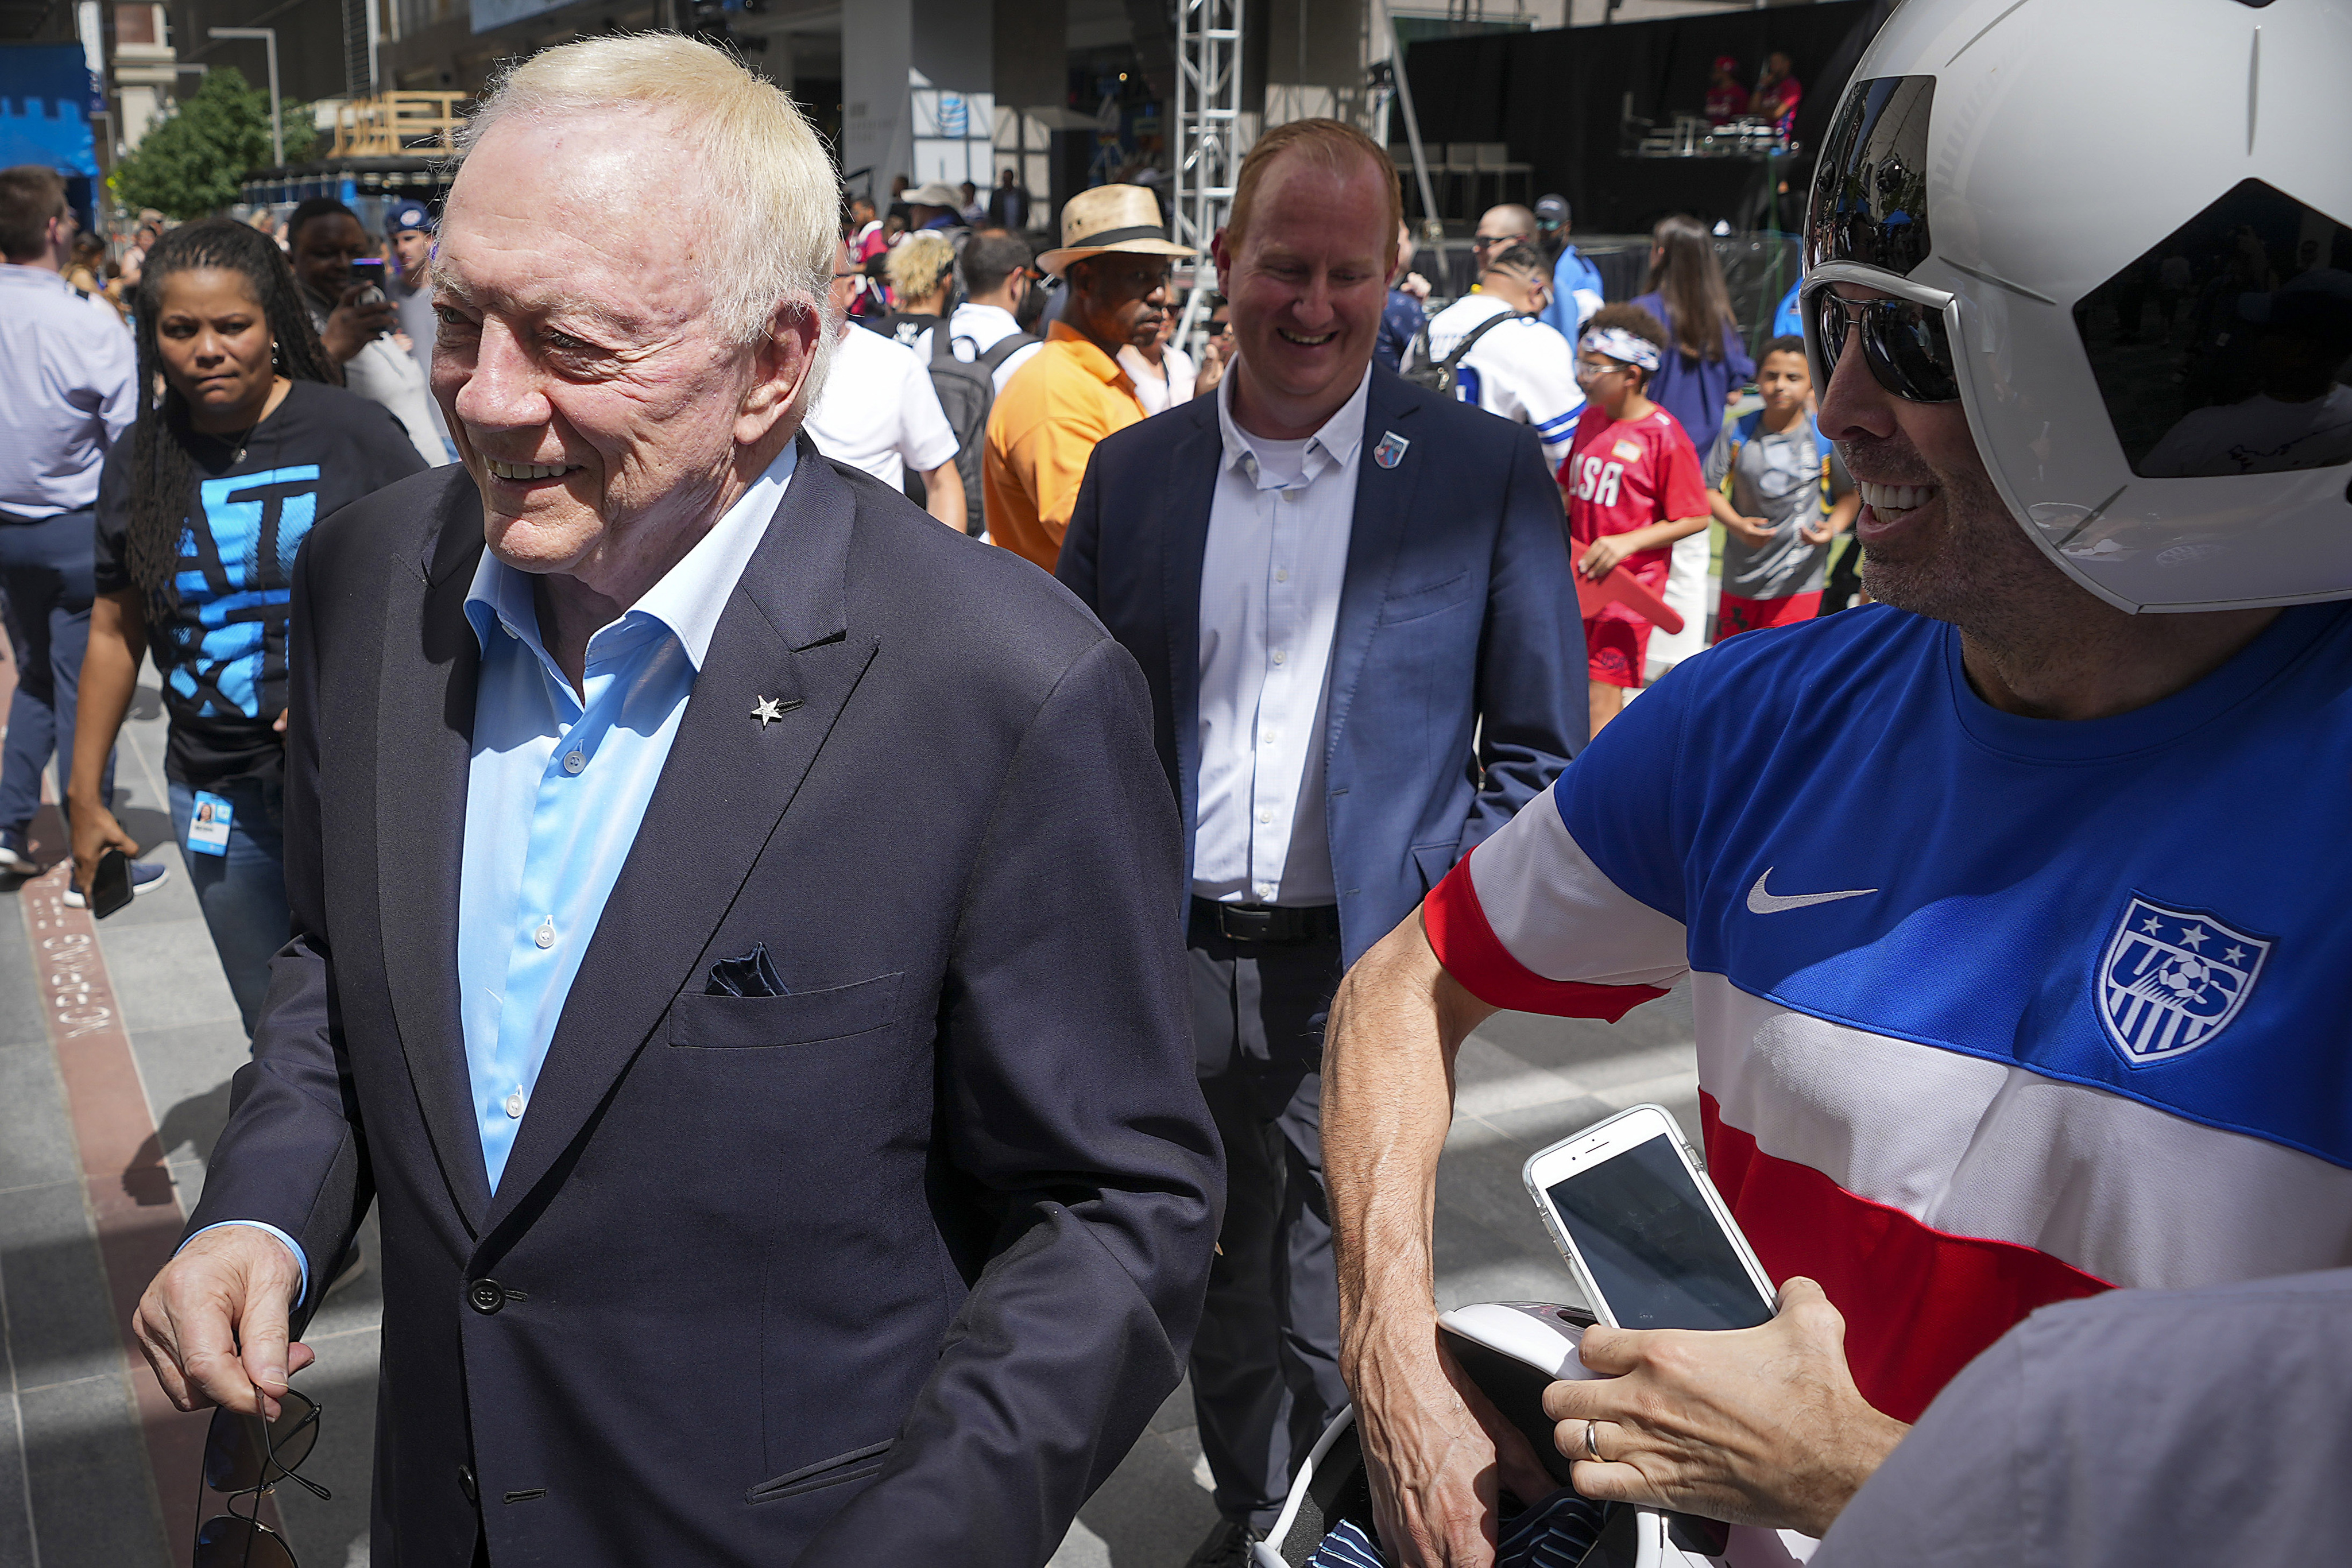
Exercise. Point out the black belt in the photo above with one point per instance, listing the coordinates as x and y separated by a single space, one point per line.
1275 924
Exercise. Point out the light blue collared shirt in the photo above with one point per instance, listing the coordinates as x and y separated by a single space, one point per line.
555 793
558 788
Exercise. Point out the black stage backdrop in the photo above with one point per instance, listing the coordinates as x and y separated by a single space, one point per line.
1558 98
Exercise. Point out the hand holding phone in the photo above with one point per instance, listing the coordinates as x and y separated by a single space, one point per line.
1643 1230
110 885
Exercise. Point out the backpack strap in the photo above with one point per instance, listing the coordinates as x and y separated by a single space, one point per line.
1006 348
1467 344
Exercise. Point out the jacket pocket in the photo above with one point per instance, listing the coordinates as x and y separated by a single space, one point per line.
1422 603
798 1017
1435 861
857 1465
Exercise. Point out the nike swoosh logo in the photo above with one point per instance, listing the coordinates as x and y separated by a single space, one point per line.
1762 903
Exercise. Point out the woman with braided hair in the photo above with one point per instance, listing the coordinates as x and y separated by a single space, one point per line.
245 438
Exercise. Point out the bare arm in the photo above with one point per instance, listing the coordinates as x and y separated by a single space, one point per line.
1602 555
944 493
1754 531
110 675
1436 1451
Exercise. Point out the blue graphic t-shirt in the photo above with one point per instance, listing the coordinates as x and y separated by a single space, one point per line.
222 650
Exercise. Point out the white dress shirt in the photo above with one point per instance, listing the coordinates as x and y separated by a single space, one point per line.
1161 390
985 326
1270 579
879 412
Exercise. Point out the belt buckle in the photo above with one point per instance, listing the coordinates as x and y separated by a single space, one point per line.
1247 923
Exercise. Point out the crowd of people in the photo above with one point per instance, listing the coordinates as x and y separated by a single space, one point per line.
950 847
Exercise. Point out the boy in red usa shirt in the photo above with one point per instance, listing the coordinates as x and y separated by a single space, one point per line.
1633 485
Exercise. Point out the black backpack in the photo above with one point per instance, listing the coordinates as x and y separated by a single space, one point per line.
967 391
1440 377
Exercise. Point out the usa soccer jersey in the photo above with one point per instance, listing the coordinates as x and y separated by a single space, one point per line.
1623 474
1991 1012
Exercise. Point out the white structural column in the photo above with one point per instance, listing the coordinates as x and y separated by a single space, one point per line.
892 52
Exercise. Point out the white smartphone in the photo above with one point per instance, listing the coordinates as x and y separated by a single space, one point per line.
1643 1230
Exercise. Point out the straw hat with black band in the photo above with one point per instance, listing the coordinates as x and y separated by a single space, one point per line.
1110 218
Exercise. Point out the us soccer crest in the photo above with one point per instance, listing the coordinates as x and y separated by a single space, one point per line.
1391 451
2172 979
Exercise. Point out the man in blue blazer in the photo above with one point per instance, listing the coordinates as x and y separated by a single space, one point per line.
731 942
1351 601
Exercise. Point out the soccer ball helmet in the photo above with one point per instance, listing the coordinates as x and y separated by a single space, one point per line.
2133 226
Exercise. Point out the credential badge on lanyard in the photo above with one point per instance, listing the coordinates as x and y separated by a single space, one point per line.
208 829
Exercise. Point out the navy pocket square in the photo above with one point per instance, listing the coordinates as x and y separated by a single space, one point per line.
750 975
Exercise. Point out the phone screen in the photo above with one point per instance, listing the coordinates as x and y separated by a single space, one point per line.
1653 1246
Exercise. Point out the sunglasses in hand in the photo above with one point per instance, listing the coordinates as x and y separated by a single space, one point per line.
247 1456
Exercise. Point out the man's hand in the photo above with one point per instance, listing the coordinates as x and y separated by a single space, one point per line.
1818 534
352 325
1602 557
1435 1451
213 1323
1755 532
1760 1426
95 831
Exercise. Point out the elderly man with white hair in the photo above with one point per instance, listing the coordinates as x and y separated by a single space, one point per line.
729 943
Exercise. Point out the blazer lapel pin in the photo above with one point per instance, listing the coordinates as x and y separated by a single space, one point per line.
768 710
1391 451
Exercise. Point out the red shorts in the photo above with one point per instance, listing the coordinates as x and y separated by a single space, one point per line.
1739 614
1617 651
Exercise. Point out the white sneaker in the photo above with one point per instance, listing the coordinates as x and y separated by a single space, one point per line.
145 877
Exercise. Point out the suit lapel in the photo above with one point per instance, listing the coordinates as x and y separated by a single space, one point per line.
727 783
1183 545
424 727
1384 504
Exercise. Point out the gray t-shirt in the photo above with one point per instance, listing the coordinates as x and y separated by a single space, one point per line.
2140 1427
1778 477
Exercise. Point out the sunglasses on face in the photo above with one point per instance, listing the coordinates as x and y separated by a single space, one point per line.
1903 341
247 1457
1220 328
1482 241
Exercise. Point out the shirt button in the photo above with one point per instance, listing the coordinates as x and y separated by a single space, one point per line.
1265 816
1281 575
573 762
545 934
514 1105
1288 495
1277 655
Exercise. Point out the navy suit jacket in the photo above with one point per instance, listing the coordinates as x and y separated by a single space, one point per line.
1457 674
892 1268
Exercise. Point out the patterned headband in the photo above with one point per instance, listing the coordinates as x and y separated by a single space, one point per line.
1619 344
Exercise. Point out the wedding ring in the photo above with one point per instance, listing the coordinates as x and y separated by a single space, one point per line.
1590 1446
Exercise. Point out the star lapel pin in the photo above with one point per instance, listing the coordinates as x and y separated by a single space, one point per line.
768 710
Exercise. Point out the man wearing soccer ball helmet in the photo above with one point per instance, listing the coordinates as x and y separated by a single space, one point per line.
2005 984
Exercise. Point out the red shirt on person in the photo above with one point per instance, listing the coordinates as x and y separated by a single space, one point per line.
1623 474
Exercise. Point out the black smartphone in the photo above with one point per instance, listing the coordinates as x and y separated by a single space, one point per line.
368 269
110 885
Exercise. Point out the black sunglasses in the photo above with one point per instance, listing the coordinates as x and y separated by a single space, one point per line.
1219 328
246 1455
1902 342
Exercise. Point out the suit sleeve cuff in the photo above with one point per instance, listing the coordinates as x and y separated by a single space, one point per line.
301 1260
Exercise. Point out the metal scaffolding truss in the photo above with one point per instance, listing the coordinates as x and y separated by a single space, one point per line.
1208 133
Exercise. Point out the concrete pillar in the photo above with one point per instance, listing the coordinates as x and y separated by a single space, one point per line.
949 43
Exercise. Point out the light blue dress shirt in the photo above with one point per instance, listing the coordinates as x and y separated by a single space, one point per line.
558 786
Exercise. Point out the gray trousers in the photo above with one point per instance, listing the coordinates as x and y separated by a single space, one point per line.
1266 1364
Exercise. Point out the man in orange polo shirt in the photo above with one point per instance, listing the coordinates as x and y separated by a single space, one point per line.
1072 393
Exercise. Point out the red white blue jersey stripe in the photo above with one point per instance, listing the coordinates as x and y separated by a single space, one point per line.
1991 1012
